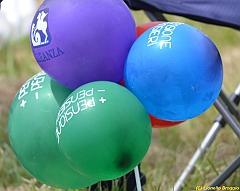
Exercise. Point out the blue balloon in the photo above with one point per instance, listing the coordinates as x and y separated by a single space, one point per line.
175 70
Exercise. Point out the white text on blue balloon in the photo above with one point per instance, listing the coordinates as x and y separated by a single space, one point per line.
163 31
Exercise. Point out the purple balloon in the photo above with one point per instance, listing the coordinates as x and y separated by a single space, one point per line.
80 41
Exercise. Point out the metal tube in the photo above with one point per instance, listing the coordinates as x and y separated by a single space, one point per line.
232 107
207 141
227 117
227 172
219 122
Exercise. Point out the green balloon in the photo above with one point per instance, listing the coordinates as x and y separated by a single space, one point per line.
103 130
32 133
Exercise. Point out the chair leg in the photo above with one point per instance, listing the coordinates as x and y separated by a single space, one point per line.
210 137
232 106
227 172
207 141
227 116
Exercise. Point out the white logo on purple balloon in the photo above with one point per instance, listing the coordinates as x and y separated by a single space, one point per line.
39 31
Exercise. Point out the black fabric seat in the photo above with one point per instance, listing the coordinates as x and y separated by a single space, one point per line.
218 12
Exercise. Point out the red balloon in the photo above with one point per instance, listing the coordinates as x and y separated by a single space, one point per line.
122 82
156 122
142 28
159 123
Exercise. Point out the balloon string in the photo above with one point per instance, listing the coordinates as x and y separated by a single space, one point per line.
137 177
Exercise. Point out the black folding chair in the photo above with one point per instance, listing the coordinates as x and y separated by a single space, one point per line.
217 12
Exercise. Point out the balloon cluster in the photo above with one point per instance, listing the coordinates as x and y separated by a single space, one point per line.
73 124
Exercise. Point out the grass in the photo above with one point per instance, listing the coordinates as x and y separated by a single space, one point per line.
171 148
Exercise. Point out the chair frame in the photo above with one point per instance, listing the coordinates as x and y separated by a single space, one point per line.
228 114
